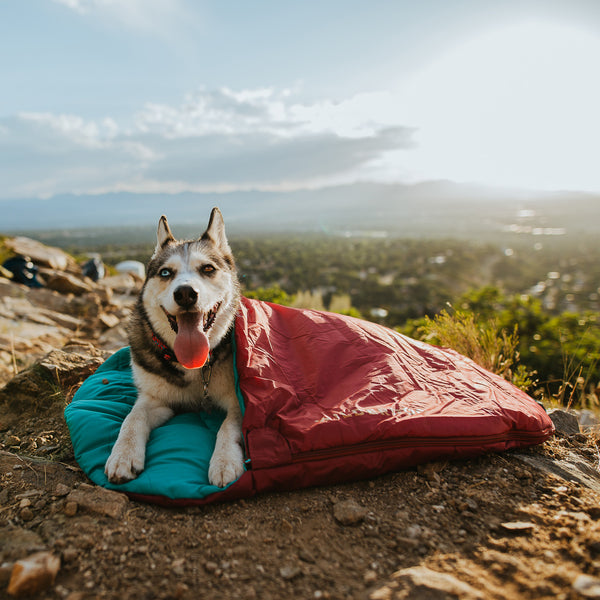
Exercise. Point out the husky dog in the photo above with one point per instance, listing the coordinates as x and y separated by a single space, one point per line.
180 338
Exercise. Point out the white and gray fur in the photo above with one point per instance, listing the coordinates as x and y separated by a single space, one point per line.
205 270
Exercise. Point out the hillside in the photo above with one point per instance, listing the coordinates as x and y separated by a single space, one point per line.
521 524
431 209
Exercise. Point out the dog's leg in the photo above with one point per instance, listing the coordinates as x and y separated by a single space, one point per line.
227 461
128 455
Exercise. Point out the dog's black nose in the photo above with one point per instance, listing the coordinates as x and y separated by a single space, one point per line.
185 296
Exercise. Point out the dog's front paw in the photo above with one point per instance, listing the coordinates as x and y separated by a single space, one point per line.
123 466
226 465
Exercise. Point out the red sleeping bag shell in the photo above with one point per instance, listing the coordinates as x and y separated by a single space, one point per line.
330 398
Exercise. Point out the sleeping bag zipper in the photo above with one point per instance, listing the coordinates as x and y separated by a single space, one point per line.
483 441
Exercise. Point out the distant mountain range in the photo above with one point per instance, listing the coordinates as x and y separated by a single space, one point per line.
427 209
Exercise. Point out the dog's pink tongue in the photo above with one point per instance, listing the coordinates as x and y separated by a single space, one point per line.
191 344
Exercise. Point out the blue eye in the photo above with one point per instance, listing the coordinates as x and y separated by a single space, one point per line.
165 273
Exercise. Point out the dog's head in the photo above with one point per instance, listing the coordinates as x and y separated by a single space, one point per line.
191 292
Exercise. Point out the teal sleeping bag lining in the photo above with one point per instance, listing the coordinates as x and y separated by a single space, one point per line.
94 418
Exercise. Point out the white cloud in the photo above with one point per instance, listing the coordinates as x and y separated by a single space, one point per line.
220 139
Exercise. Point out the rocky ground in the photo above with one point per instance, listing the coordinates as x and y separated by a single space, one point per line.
520 524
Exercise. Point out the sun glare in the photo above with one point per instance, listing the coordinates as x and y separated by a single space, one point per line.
515 107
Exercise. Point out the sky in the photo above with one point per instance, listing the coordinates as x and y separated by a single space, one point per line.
166 96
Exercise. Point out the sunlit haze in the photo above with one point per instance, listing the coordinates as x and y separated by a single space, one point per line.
179 96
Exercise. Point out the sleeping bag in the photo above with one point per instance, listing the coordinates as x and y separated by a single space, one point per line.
325 398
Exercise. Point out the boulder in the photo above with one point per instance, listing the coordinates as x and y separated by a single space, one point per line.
45 383
42 255
65 283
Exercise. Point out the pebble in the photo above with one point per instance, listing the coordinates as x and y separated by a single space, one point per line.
349 512
99 500
69 554
518 526
210 566
421 583
178 566
370 577
289 572
33 574
26 514
70 509
587 586
62 490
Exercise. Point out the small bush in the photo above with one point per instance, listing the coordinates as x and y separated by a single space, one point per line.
483 341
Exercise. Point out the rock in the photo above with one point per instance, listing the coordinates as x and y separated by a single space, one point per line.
99 500
421 583
72 364
36 387
65 283
517 526
348 512
26 514
210 566
49 300
570 468
587 586
33 574
40 254
566 423
70 508
68 321
133 267
109 321
370 577
178 566
123 283
61 490
289 572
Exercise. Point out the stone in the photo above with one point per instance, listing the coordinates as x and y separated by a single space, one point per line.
349 512
99 500
289 572
566 423
33 574
61 490
518 526
587 586
40 254
65 283
36 388
70 508
178 566
109 321
421 583
571 467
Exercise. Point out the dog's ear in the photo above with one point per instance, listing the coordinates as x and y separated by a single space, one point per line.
215 231
163 235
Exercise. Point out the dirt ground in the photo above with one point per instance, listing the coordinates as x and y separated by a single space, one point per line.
498 526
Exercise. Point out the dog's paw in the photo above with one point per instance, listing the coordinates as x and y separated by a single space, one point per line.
122 467
226 466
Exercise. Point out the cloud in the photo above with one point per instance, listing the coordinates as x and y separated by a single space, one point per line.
213 140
